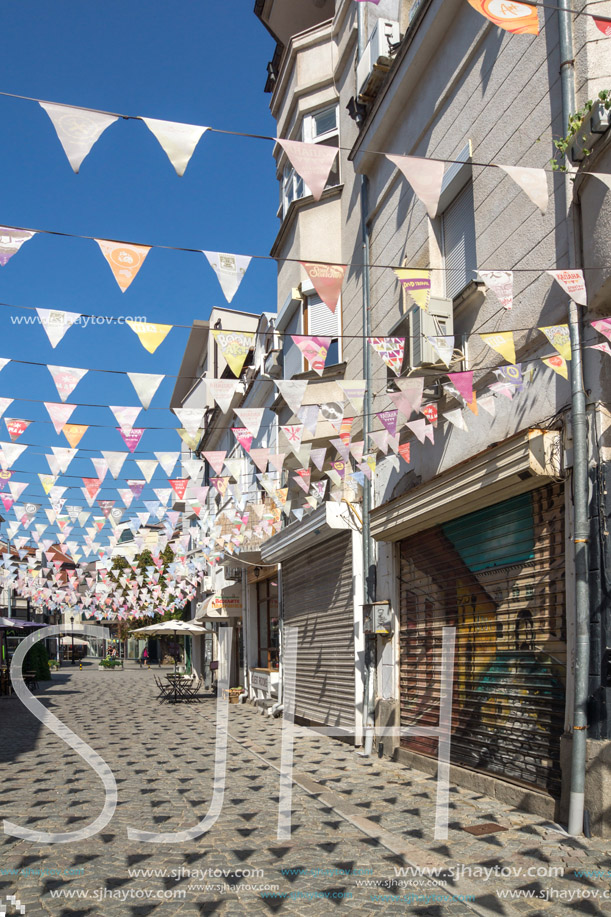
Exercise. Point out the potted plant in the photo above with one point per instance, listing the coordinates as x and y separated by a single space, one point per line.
234 694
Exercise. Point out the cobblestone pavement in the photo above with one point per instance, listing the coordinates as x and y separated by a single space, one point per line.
361 828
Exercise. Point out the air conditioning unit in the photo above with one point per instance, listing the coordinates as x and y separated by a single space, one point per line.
377 57
272 365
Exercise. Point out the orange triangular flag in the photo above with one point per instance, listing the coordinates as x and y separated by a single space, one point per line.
125 260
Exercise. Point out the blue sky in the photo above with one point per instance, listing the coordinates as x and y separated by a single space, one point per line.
195 62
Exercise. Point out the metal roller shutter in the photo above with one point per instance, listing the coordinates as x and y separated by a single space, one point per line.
317 598
498 576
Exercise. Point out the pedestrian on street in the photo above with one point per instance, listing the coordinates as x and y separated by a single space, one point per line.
145 656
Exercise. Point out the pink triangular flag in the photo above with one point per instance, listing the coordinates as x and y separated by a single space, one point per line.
216 459
603 326
132 438
463 383
261 457
312 161
425 176
327 280
66 379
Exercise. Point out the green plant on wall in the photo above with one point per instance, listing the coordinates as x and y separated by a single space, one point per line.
37 660
564 144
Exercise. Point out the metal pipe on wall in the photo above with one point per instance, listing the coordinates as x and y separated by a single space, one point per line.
580 480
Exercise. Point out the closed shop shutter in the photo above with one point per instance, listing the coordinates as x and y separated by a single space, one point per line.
317 598
497 575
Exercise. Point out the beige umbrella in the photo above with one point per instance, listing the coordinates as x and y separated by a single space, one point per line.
170 627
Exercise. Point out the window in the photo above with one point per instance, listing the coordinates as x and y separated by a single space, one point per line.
267 620
457 210
324 323
317 127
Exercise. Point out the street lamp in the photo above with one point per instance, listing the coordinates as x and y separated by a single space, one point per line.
72 628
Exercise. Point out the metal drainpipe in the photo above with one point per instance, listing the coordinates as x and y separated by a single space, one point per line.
368 584
580 481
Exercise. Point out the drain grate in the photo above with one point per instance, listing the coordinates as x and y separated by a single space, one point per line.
489 827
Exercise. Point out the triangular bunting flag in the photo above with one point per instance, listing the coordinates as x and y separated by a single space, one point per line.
558 336
501 283
425 177
533 183
293 391
56 323
417 283
146 384
77 129
132 438
74 433
235 347
230 270
558 364
391 350
520 18
150 335
125 260
177 140
222 391
312 161
573 284
59 413
11 240
327 280
66 379
502 342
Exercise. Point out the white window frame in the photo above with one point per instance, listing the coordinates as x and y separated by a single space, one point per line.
293 187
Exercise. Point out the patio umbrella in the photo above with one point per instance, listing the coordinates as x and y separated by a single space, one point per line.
170 627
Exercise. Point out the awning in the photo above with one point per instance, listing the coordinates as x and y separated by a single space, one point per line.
519 464
67 641
227 603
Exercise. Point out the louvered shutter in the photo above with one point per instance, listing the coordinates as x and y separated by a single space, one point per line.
497 575
321 321
317 598
459 242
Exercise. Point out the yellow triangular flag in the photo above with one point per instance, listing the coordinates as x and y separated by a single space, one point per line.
558 364
502 342
150 335
47 481
234 346
417 283
191 441
558 336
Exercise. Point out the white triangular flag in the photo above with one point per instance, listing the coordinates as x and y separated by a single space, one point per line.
147 467
4 403
167 460
59 413
146 384
190 418
455 417
63 456
533 183
9 453
293 391
229 269
125 416
56 323
177 140
77 129
114 462
251 418
425 176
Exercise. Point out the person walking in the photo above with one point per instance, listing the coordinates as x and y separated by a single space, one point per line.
145 656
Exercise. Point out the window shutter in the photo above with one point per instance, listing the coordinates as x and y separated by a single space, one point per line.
321 321
459 242
293 358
